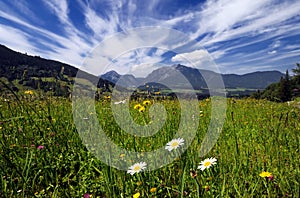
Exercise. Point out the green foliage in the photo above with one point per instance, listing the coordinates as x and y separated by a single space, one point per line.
285 90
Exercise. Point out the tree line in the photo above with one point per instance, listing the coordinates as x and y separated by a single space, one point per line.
285 90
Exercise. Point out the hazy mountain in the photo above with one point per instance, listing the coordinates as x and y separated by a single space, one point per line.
174 76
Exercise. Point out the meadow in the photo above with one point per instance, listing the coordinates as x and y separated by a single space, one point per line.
42 154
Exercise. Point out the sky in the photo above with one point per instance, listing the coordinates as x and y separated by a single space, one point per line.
239 36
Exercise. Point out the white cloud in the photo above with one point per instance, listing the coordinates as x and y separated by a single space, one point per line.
272 52
7 33
197 59
60 9
142 70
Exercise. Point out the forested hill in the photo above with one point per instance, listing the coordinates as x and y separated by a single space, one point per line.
13 64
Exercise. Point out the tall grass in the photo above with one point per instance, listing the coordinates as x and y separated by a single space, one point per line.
258 135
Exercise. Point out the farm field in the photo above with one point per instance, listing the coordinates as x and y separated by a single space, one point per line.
42 155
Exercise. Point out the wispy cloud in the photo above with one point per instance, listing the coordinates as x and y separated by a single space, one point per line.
229 30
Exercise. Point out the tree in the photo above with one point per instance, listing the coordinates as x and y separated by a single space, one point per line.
297 70
284 89
297 74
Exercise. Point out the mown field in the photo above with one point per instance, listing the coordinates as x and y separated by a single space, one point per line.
42 154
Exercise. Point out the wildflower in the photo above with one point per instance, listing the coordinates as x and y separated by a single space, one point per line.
136 195
136 168
142 109
271 178
265 174
137 106
207 163
147 102
41 147
152 190
86 195
106 97
174 144
29 92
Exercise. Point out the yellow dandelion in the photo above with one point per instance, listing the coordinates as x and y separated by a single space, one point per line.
152 190
137 106
106 97
29 92
136 195
147 102
142 109
265 174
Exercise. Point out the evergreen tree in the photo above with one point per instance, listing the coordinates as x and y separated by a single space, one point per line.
297 74
284 89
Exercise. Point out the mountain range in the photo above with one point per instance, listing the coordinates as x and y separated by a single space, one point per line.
27 69
198 78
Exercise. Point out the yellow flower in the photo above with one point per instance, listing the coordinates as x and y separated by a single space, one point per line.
265 174
106 97
136 195
29 92
137 106
142 109
147 102
152 190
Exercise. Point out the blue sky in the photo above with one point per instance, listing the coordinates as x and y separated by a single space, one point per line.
240 35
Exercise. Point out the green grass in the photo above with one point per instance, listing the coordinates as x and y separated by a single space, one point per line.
257 136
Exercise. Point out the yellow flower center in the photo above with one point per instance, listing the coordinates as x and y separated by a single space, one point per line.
137 168
206 164
174 144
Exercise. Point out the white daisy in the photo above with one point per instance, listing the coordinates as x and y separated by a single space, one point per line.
137 167
207 163
174 144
